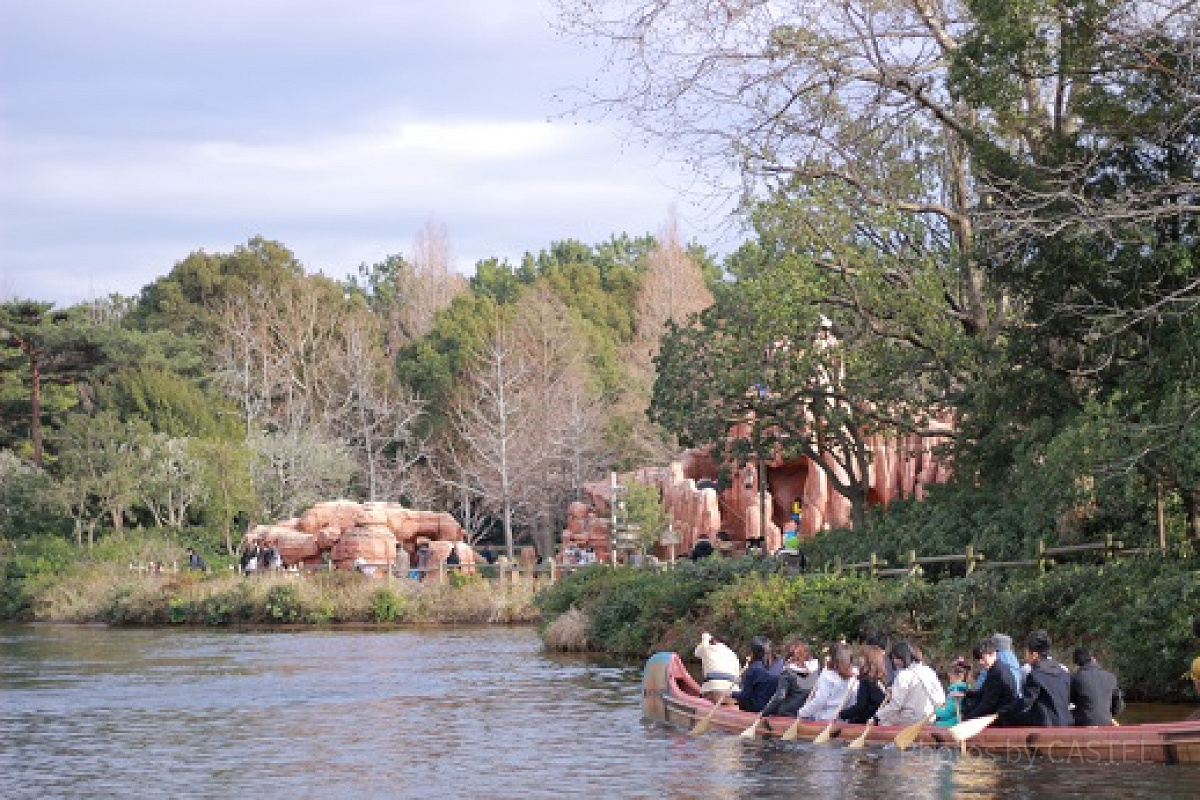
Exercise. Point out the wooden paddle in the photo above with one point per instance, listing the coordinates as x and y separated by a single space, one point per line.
703 724
827 734
792 732
965 730
906 737
753 729
861 740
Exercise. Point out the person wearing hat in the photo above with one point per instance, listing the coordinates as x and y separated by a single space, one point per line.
719 667
1006 657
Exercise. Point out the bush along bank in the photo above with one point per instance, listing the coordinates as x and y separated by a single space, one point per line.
1135 614
50 581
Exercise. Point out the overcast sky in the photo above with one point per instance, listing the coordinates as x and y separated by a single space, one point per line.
134 133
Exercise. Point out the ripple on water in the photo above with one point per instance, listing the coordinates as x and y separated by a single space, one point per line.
431 713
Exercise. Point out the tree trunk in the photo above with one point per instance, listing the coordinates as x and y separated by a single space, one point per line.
35 409
1191 507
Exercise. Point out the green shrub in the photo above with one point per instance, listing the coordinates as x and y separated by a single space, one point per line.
1134 613
283 603
386 606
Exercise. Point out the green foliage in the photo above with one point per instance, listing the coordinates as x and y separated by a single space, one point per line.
949 519
24 508
283 603
170 403
29 566
1134 614
186 300
645 509
821 608
631 609
387 606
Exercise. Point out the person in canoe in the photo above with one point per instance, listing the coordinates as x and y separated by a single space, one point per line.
916 691
720 668
872 678
834 686
1094 692
796 681
761 678
999 690
956 688
1045 699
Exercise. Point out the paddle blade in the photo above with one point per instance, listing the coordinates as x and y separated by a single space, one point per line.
965 730
825 735
750 732
906 737
792 732
860 741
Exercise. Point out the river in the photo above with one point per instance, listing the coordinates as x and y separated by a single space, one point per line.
439 713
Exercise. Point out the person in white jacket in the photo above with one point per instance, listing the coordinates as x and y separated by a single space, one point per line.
916 690
720 668
835 686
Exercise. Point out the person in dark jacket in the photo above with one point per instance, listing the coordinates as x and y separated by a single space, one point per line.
1046 697
1094 691
997 694
877 641
761 678
195 561
871 689
796 681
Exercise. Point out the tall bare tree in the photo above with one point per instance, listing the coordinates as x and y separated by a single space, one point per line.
377 414
673 288
526 421
494 419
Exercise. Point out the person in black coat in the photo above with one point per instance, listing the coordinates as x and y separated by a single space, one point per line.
1094 691
1046 696
998 694
871 690
761 677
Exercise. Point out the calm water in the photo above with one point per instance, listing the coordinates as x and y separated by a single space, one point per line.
95 712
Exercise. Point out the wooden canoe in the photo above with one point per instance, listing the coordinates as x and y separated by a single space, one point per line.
670 695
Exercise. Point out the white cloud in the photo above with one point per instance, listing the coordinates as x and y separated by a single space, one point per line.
133 133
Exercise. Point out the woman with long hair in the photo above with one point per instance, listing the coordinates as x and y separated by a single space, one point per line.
916 691
834 686
796 681
872 679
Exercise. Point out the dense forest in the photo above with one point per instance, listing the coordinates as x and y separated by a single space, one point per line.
996 213
241 387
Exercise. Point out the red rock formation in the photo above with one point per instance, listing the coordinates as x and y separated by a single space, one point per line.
345 531
901 467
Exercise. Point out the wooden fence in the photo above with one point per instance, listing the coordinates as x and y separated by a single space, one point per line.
1044 558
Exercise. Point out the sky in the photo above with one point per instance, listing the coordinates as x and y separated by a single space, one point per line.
135 133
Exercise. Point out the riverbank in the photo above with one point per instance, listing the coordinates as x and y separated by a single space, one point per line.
114 595
1135 615
48 580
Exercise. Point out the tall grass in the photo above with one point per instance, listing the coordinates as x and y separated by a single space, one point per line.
110 593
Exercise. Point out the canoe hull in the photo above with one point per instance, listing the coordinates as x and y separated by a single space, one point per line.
670 695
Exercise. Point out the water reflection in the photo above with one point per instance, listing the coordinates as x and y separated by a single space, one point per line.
437 713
